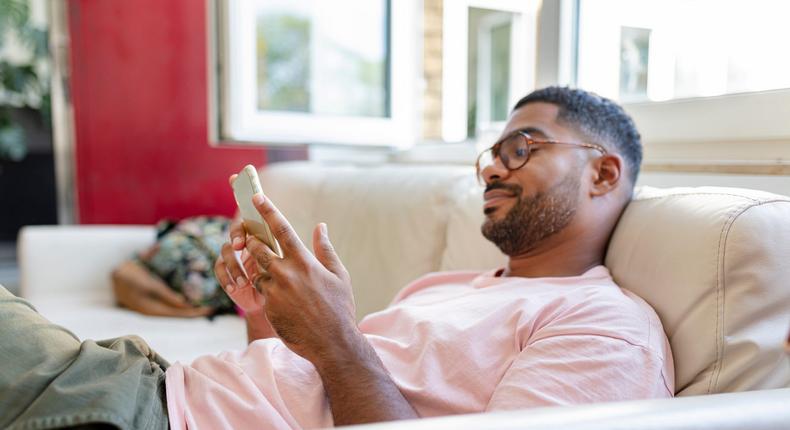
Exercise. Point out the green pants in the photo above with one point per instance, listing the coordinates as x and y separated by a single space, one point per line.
49 379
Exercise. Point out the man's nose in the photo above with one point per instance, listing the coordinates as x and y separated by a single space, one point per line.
494 171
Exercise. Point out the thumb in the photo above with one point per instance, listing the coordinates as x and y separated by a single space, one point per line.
325 252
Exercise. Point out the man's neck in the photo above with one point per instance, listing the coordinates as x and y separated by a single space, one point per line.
556 258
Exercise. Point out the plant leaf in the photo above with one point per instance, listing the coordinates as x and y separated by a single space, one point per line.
12 143
14 12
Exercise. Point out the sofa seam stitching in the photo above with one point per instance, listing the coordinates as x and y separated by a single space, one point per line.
714 380
719 268
638 199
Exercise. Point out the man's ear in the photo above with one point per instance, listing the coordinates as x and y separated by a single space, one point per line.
608 171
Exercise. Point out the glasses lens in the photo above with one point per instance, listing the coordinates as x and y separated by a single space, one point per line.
484 160
514 152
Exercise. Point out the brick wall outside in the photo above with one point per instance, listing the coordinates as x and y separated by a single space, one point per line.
432 69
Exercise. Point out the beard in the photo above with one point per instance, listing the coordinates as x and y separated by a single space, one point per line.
533 219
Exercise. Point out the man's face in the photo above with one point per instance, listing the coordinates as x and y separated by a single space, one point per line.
526 206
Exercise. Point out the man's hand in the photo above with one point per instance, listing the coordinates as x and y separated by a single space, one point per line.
236 282
308 299
242 292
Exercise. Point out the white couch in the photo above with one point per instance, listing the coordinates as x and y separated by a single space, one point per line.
713 262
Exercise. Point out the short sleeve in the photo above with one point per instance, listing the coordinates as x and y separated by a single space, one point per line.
576 369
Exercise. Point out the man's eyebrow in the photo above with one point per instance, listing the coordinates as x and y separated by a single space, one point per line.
532 131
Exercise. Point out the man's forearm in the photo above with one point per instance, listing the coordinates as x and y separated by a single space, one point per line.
359 388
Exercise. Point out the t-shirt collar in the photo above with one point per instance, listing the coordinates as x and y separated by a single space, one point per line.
494 276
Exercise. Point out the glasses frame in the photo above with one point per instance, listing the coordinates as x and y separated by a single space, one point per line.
529 140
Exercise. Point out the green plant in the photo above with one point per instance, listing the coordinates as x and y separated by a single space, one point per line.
21 83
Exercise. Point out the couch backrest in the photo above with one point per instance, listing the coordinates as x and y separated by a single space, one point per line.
387 223
715 265
713 262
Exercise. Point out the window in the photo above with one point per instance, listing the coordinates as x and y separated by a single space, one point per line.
313 71
691 71
489 63
676 49
489 68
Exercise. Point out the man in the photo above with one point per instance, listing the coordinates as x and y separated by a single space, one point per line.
550 328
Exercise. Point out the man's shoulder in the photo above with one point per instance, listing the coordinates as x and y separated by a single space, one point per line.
610 311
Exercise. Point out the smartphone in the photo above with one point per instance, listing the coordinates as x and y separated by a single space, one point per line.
245 186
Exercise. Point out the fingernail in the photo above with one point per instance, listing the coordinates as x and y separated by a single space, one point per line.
257 199
323 229
230 288
237 241
240 281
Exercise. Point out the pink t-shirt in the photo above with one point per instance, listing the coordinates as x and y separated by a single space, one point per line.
454 343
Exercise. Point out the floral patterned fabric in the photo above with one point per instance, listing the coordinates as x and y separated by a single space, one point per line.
184 256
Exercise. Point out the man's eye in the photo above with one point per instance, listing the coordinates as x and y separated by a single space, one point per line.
521 152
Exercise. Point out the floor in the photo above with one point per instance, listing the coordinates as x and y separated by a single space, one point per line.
9 270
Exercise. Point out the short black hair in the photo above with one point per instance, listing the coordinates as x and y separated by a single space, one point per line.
597 118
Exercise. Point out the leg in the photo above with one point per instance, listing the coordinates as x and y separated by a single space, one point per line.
49 379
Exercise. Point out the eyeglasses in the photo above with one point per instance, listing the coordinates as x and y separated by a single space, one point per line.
514 150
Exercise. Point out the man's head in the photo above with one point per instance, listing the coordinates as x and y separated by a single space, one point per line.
573 191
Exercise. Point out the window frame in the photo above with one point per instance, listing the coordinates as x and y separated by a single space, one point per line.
455 61
484 70
745 133
742 117
239 122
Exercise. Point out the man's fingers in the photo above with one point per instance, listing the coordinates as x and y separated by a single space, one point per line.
262 254
232 178
232 266
261 282
279 226
237 234
249 264
325 252
222 275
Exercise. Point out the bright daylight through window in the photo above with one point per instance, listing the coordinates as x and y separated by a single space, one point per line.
310 58
650 50
311 71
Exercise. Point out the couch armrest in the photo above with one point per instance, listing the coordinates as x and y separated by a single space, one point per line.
56 260
754 410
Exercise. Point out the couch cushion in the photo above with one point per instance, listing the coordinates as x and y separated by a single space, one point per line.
82 258
66 276
387 223
174 339
713 262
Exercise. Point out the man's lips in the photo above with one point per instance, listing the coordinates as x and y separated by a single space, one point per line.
494 197
498 192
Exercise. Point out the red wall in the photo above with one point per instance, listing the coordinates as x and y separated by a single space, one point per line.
139 87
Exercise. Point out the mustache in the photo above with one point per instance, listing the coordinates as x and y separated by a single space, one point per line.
513 188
